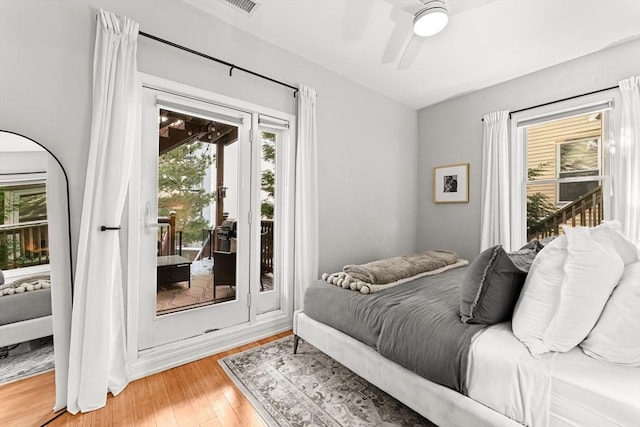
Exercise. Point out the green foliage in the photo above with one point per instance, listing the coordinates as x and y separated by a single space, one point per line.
31 207
539 204
4 250
538 207
180 175
268 178
533 173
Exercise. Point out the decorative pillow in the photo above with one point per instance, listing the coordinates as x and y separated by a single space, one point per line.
533 245
567 288
492 284
625 248
616 336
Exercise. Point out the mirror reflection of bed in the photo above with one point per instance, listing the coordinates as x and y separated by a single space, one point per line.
35 264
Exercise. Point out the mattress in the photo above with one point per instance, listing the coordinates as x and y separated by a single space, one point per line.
588 392
362 316
25 306
556 389
357 315
415 324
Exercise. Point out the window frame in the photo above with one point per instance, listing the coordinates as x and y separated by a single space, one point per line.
601 154
519 149
12 197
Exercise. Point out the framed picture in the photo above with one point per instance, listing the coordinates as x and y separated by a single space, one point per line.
451 183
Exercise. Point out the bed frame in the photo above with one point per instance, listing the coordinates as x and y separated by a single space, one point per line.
26 330
441 405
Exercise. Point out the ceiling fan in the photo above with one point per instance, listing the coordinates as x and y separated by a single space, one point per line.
429 18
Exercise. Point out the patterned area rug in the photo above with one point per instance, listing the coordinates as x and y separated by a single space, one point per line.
312 389
35 361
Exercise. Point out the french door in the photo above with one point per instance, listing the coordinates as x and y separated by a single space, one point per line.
194 198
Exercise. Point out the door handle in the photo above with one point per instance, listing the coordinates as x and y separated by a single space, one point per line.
147 216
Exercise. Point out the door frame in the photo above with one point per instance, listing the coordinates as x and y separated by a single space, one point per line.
146 362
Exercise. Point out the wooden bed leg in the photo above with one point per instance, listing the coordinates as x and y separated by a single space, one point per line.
296 340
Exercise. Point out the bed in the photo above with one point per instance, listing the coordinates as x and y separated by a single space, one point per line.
25 315
489 380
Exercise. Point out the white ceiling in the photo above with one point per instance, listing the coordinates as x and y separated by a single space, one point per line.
485 43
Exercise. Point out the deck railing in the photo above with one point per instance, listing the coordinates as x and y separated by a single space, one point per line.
24 245
266 246
586 210
167 235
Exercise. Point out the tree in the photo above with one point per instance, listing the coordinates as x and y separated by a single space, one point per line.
15 209
4 245
268 178
539 205
181 172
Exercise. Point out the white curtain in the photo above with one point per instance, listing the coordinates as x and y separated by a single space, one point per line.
97 360
306 206
626 161
496 200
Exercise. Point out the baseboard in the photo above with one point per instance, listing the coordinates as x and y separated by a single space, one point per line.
179 353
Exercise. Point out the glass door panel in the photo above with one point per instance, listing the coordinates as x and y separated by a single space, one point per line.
194 168
267 210
276 175
197 211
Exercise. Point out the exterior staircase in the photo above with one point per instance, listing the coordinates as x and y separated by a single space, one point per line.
586 211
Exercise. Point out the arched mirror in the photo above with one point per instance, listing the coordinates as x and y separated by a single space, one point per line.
35 261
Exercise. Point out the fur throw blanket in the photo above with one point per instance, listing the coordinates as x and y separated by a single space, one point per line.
29 283
383 274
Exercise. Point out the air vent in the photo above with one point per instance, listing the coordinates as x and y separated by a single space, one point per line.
245 6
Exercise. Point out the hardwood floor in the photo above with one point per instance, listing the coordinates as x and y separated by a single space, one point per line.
195 394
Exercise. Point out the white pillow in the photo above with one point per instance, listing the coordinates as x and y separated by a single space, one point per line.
616 336
625 248
540 295
567 287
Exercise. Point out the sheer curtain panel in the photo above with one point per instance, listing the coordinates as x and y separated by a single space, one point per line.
97 357
306 206
626 161
496 201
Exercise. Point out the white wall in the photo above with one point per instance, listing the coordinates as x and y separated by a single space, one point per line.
451 132
367 142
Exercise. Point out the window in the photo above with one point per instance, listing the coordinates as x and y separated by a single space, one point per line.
24 237
561 156
577 159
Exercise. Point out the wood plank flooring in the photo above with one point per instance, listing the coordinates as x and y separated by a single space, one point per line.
192 395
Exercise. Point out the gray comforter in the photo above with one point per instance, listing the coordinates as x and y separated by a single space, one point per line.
416 324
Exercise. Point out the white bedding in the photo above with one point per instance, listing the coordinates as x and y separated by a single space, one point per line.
556 389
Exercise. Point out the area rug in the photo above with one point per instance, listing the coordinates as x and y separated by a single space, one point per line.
35 361
312 389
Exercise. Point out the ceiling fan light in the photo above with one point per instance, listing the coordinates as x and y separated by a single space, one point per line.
430 21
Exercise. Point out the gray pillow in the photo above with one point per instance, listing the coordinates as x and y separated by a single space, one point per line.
492 285
534 244
1 278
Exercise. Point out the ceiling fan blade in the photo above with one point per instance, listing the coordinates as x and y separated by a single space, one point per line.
457 7
410 6
356 19
398 36
411 52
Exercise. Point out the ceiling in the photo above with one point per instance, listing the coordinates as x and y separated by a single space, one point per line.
486 41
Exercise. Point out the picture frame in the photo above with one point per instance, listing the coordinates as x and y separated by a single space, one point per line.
451 183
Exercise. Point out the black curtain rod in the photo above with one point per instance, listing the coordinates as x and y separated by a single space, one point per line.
220 61
560 100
